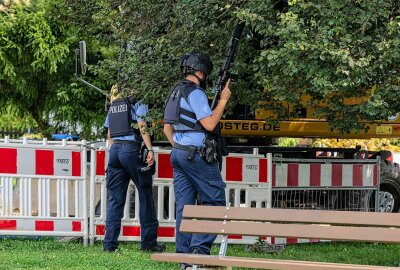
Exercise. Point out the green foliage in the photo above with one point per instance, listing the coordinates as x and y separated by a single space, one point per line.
286 142
373 144
36 70
50 254
329 50
151 62
9 121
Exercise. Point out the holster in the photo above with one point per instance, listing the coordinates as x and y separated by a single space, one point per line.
222 148
209 151
142 159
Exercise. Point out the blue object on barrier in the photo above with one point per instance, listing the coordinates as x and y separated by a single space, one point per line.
65 136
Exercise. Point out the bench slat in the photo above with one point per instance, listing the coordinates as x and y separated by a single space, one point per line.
326 232
260 263
292 215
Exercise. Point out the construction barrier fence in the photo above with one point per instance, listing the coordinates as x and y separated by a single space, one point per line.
43 189
50 189
324 184
246 177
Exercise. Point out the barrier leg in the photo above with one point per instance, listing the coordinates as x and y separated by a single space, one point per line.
92 197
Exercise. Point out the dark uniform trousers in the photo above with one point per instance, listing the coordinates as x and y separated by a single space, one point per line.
191 178
123 166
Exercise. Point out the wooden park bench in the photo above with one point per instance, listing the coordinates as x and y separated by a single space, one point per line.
308 224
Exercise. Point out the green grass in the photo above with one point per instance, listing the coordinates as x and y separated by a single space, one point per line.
51 254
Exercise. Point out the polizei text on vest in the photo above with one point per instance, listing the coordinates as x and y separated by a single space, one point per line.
119 108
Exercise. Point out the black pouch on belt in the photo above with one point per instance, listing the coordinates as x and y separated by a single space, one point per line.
143 168
191 151
209 151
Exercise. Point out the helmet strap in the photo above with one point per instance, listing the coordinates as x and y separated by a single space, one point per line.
203 82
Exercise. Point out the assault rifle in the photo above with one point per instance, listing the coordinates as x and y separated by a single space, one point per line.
223 74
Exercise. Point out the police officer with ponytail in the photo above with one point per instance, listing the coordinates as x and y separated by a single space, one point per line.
188 121
127 130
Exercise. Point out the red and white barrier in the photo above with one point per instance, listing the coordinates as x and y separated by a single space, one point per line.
52 176
322 174
246 177
43 189
242 168
316 174
283 241
132 233
164 169
245 168
28 161
41 227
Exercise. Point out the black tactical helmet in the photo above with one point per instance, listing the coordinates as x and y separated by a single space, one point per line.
196 61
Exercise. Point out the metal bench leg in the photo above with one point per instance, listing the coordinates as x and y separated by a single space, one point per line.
222 251
224 246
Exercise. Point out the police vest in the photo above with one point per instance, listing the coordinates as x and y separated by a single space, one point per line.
120 119
173 110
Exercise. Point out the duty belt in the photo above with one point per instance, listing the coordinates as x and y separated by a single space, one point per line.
187 147
127 142
207 153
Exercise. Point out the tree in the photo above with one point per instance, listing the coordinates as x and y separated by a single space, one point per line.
330 51
156 35
36 70
327 50
370 145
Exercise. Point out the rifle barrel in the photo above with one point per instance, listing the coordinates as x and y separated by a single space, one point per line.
222 77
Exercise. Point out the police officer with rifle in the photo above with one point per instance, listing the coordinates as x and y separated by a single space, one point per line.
192 128
187 120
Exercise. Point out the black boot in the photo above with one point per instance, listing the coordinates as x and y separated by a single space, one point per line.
199 251
158 248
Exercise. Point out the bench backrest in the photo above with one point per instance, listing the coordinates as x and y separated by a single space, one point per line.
313 224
